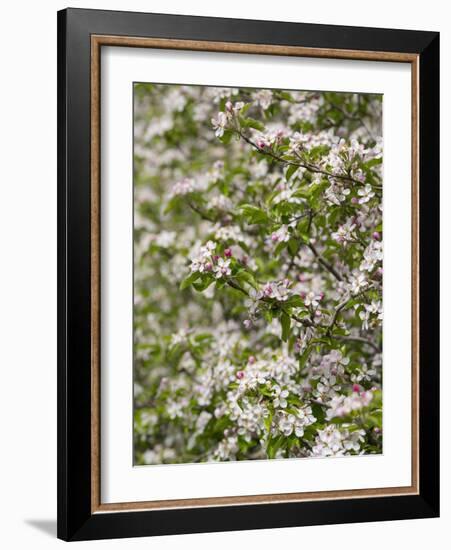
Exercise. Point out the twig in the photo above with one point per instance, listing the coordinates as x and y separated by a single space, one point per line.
201 213
342 305
237 287
359 339
304 322
308 167
324 263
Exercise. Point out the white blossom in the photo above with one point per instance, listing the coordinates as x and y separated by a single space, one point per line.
366 194
372 255
221 268
343 405
357 283
219 123
263 97
280 397
345 233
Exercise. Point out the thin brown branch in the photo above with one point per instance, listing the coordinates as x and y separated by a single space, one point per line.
360 339
324 263
201 212
237 287
309 167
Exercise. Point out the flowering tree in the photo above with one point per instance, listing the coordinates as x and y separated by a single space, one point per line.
258 274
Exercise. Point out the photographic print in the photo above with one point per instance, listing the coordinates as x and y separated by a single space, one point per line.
257 274
244 217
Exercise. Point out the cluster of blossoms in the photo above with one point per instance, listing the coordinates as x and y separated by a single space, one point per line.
279 290
334 442
186 186
295 422
207 261
258 274
223 118
343 405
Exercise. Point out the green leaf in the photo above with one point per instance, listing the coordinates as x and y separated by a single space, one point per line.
286 95
268 316
247 277
268 422
274 445
171 205
375 419
285 321
293 246
252 123
373 162
253 214
281 246
292 168
295 301
188 281
205 282
318 412
226 137
304 357
335 214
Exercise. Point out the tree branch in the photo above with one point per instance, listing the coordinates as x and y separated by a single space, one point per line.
201 212
324 263
359 339
309 167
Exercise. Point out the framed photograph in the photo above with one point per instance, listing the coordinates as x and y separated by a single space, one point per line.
248 274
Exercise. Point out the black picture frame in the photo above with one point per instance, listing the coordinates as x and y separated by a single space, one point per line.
76 521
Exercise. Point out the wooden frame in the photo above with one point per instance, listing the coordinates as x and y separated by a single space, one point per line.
81 514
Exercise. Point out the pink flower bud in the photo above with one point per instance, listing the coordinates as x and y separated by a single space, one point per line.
240 375
321 295
355 200
274 237
318 313
229 106
208 266
251 359
303 295
215 258
228 253
356 388
267 291
302 278
376 236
